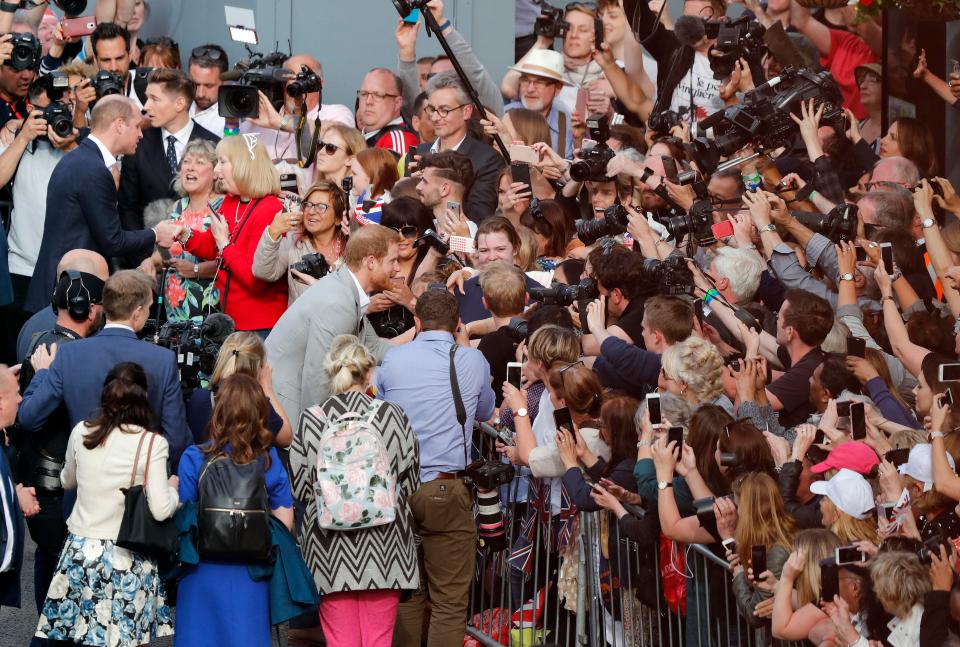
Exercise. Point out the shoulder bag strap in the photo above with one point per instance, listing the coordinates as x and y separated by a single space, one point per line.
562 133
146 469
458 401
136 459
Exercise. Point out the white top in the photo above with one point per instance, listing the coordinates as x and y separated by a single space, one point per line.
181 139
436 145
209 118
282 145
698 83
30 205
99 473
109 159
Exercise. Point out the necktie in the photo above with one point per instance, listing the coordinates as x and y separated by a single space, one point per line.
115 172
172 154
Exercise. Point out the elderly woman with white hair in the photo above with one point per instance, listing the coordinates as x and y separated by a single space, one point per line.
693 370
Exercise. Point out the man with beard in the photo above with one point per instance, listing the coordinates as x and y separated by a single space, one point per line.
541 79
207 63
77 302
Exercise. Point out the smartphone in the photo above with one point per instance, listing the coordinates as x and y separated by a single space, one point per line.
861 254
722 229
412 17
347 184
849 555
857 347
887 510
858 421
581 109
819 437
949 372
829 580
932 545
515 373
758 561
653 407
80 26
886 255
948 397
597 33
704 510
520 172
454 206
817 454
670 170
843 409
898 456
561 418
292 202
523 153
675 434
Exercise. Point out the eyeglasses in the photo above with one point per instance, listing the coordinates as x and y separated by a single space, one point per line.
536 81
209 53
407 231
442 112
363 95
569 366
329 149
315 206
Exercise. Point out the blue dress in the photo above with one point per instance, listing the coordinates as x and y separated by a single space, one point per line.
217 602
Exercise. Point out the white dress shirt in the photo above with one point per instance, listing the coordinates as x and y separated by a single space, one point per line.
209 118
109 159
364 300
181 138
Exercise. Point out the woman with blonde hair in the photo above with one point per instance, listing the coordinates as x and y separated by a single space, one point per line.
315 230
358 604
241 353
335 154
251 183
801 575
693 369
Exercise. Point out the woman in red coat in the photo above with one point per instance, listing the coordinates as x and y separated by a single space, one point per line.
251 184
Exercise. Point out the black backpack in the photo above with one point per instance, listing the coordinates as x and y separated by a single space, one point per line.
234 514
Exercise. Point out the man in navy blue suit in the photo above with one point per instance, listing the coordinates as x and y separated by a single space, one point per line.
73 374
82 199
15 501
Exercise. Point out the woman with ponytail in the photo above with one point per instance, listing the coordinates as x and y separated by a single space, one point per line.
241 353
384 557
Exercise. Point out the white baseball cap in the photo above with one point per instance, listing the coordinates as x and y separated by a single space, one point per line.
919 465
849 491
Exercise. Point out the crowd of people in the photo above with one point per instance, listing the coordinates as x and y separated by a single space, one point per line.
301 322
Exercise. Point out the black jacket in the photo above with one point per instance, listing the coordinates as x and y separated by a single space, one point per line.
807 515
481 200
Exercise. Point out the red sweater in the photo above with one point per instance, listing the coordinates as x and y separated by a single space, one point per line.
253 304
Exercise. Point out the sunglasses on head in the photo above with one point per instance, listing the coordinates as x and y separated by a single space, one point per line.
211 53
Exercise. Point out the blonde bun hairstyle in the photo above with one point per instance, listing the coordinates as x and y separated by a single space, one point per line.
348 363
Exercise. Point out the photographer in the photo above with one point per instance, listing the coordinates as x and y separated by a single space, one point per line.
15 84
292 236
111 53
619 276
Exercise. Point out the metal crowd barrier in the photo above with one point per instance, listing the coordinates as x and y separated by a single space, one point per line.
616 599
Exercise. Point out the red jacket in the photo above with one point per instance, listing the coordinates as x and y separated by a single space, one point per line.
253 304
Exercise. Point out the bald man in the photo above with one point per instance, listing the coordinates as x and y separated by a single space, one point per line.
82 200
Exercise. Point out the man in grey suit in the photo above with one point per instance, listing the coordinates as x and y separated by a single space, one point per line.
335 305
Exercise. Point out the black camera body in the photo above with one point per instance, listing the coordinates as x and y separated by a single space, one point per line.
550 23
432 239
563 295
72 8
517 329
260 73
26 53
671 275
614 222
661 122
56 84
592 165
305 82
106 83
59 119
697 222
196 346
837 225
489 475
314 265
736 39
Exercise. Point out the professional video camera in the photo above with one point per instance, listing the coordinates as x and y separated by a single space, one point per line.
763 120
26 53
839 224
57 114
305 82
265 73
106 83
671 275
592 165
613 223
314 265
735 39
550 23
560 294
196 346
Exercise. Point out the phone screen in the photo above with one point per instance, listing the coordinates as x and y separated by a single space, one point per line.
561 418
898 456
454 207
653 406
948 397
861 254
515 373
670 168
819 437
858 422
520 173
849 555
829 582
843 409
949 372
675 434
886 255
758 560
856 347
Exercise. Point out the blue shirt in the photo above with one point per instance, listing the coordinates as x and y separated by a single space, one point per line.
553 121
416 376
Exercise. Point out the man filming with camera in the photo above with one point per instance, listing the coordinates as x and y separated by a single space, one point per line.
443 506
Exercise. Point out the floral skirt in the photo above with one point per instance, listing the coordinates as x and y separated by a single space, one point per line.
102 594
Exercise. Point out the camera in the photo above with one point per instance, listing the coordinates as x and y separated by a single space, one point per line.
72 8
59 119
305 82
259 73
314 265
839 224
55 85
613 223
663 121
550 23
593 163
671 275
763 117
696 222
26 52
106 83
563 295
431 238
196 346
517 329
740 38
489 475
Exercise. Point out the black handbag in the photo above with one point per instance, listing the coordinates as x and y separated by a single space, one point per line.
139 531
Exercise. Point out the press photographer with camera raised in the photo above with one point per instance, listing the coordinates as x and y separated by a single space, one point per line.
111 53
17 72
312 232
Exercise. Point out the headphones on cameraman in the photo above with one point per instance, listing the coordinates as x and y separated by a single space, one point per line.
77 291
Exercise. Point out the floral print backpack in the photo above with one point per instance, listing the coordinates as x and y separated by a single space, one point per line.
355 486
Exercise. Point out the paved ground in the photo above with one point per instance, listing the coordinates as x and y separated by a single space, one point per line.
17 625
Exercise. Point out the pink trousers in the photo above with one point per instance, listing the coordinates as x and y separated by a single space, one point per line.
359 618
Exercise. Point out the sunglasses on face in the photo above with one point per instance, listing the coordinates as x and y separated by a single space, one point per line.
407 231
329 149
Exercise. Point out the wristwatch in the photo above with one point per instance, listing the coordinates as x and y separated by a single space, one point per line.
520 413
663 485
936 434
927 223
846 276
767 227
196 269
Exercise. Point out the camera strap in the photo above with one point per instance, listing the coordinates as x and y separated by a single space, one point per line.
307 160
458 402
